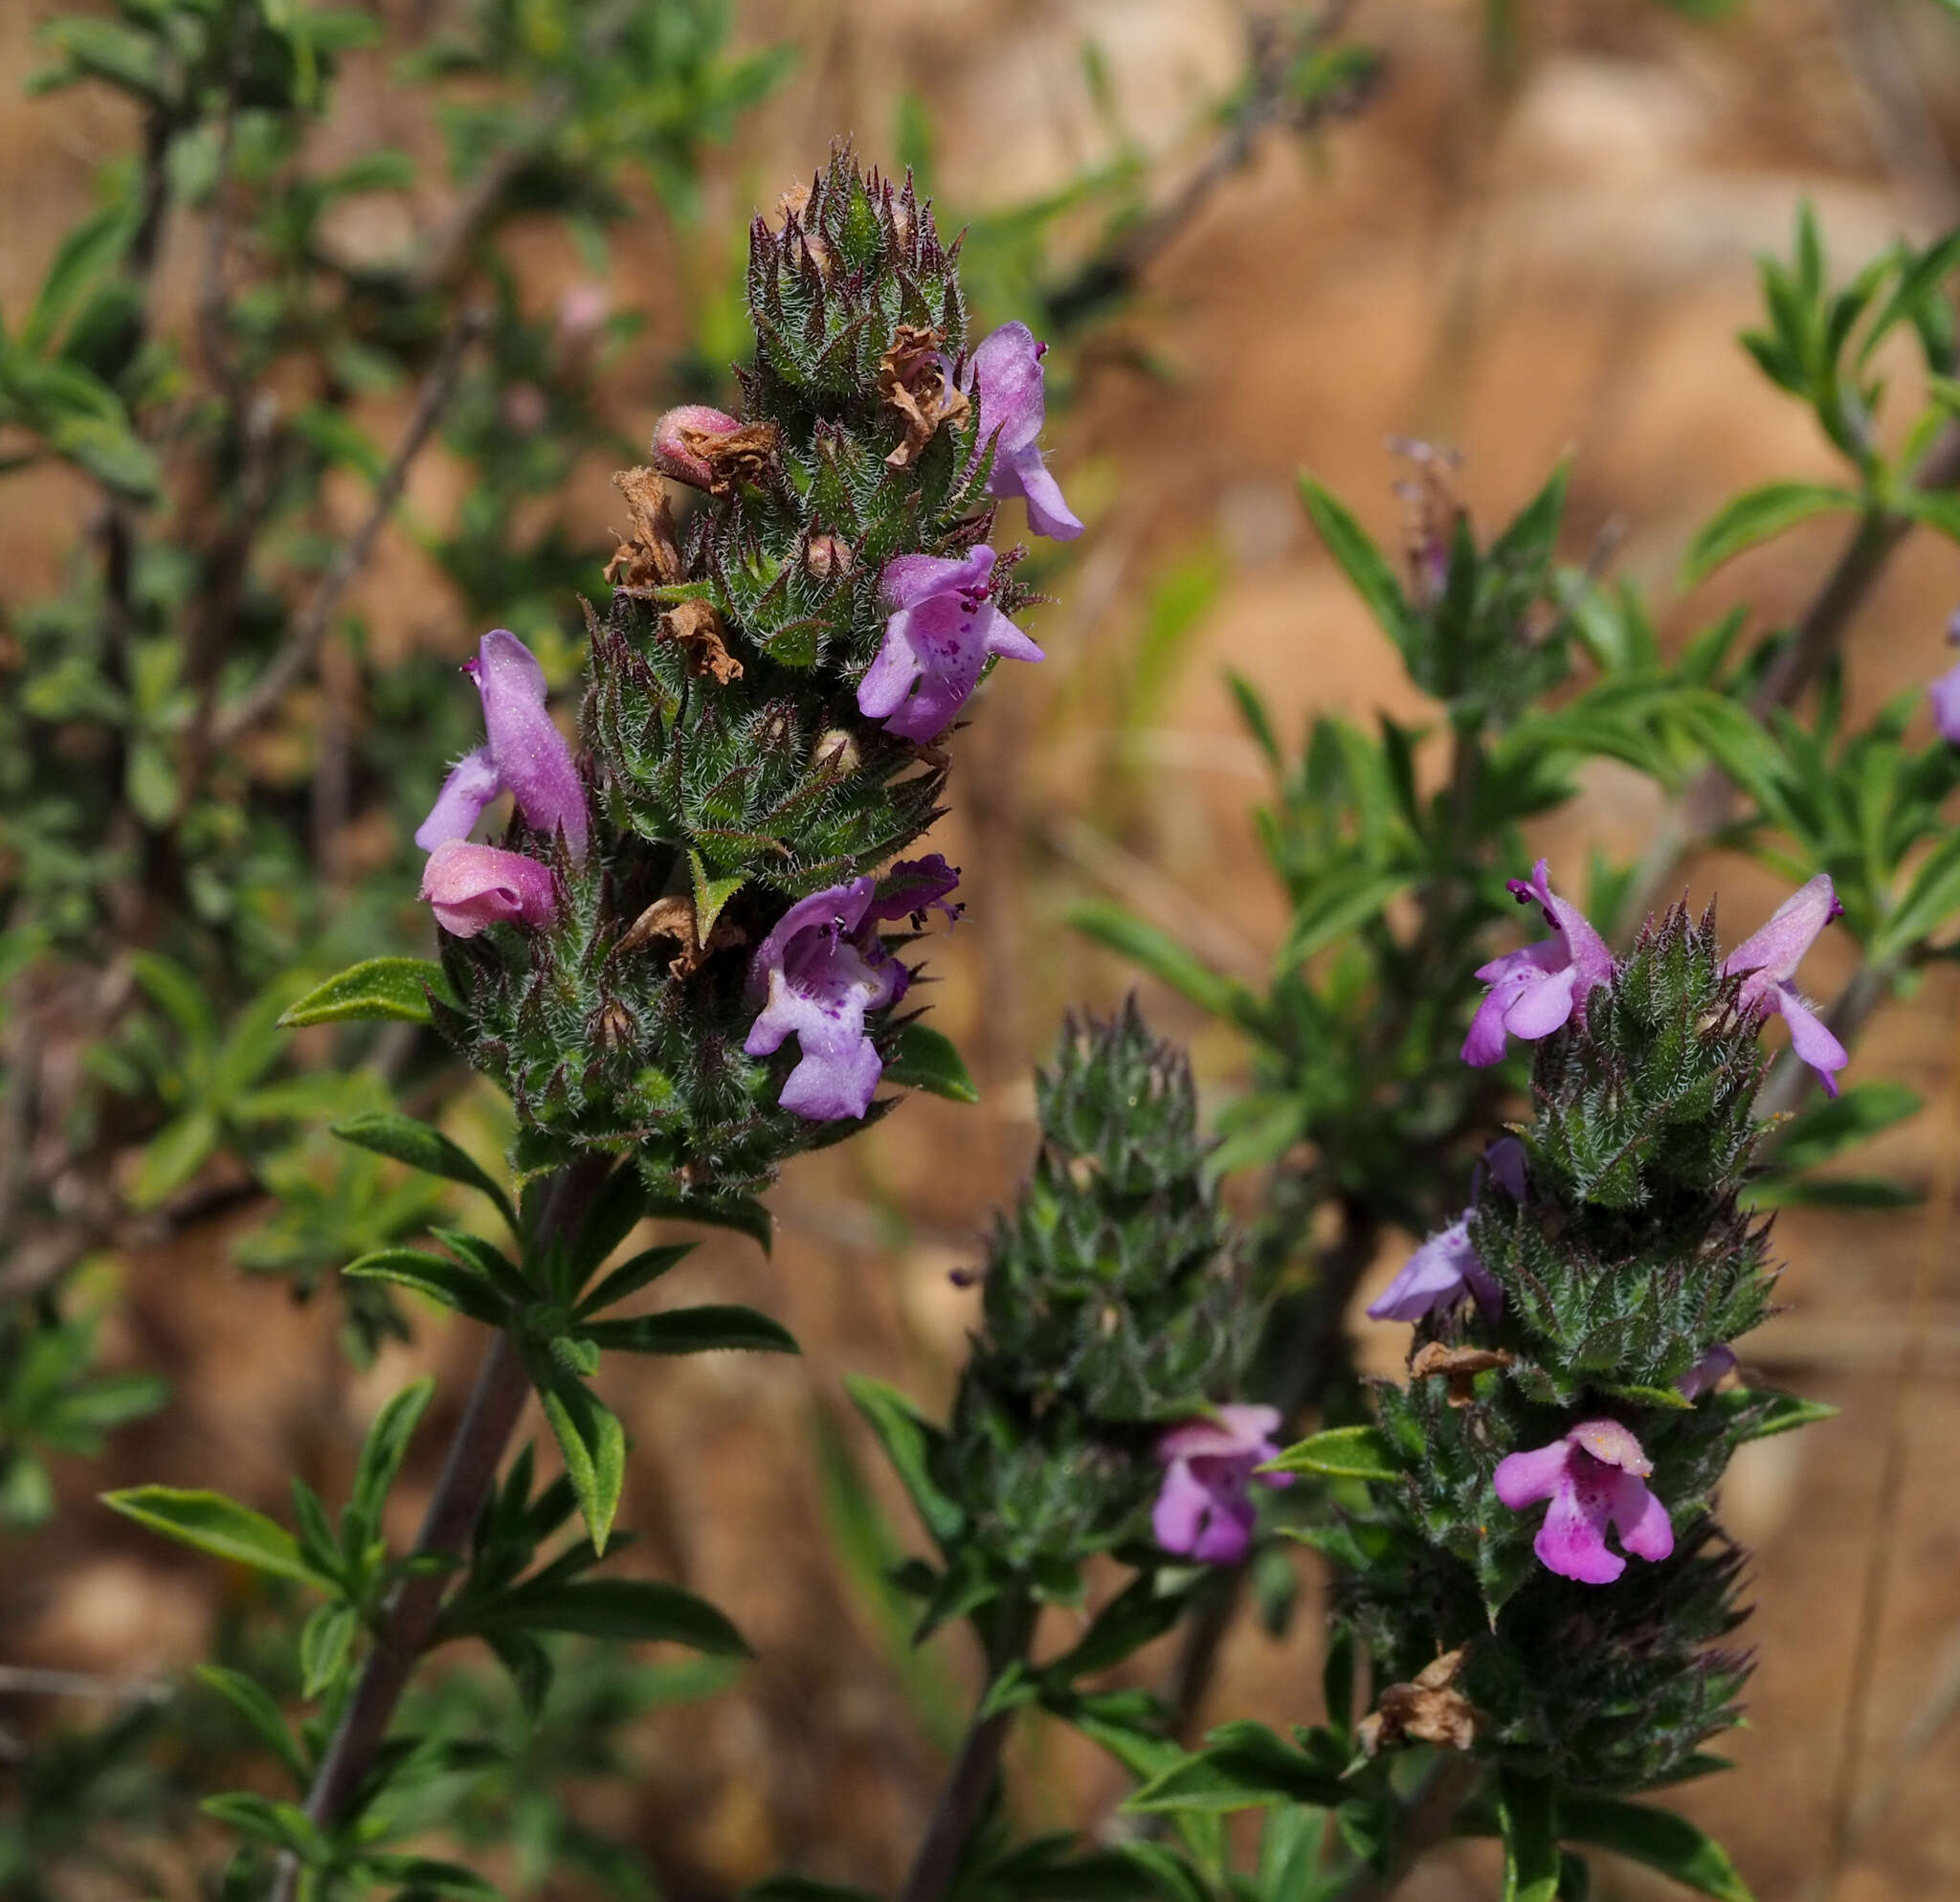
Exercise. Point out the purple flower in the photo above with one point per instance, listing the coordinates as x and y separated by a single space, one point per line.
822 968
526 755
1595 1477
1771 959
941 629
1204 1510
471 886
1005 370
1945 695
1535 990
1446 1264
1712 1367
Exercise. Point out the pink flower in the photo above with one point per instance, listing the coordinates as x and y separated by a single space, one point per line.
525 755
941 630
473 886
1204 1510
672 456
1004 372
822 968
1596 1478
1771 959
1446 1264
1532 991
1945 695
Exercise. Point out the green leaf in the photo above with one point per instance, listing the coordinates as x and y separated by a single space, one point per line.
172 1156
1169 961
1929 901
1364 565
1655 1837
284 1825
217 1525
592 1442
693 1331
643 1611
710 895
385 1446
1243 1766
1777 1412
1339 902
1832 1191
634 1273
1142 1612
393 989
1341 1452
617 1211
324 1642
1833 1126
1530 1813
256 1705
437 1276
422 1148
429 1875
744 1214
925 1060
910 1443
1755 516
94 246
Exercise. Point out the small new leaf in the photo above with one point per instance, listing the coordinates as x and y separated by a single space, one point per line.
925 1060
393 990
220 1526
693 1331
1341 1452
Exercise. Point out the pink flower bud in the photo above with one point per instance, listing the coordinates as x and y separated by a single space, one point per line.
671 453
473 887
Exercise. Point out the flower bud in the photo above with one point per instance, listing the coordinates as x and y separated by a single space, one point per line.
674 455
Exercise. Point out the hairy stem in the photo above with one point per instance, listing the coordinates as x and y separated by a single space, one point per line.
409 1618
965 1795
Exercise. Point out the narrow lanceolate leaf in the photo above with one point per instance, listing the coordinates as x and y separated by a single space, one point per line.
393 990
742 1213
1656 1837
284 1825
925 1060
1757 515
217 1525
641 1610
429 1876
693 1331
437 1276
386 1445
1169 961
910 1441
1341 1452
1243 1766
422 1148
634 1273
256 1705
1528 1810
592 1442
1362 563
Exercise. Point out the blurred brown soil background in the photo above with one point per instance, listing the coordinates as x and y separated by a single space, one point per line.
1554 257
